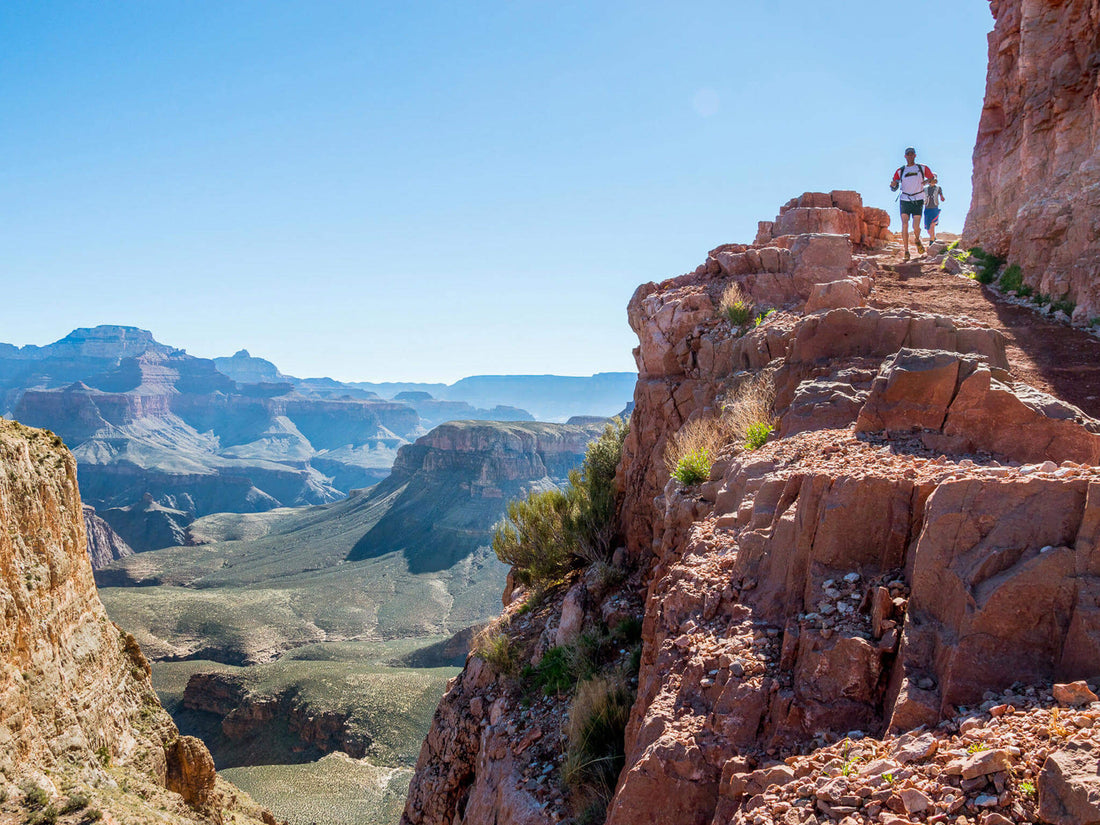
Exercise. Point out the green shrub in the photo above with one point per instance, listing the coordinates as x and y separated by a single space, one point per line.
1042 299
1012 278
735 306
75 802
552 675
497 649
548 533
34 797
91 815
1065 305
693 468
757 435
1025 291
988 265
46 816
763 317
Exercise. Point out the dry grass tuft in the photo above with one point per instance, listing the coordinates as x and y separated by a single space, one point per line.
495 646
735 305
750 404
698 436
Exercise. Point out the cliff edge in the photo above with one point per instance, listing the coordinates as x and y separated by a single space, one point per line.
80 726
914 544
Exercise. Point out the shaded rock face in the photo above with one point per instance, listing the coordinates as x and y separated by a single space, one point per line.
74 689
1036 195
104 544
919 530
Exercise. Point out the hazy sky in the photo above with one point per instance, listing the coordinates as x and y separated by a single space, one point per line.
428 190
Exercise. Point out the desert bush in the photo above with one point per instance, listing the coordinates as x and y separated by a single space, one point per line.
595 751
536 538
735 306
552 675
545 535
693 468
1012 278
46 816
1064 305
988 265
690 451
757 435
1025 291
91 815
496 648
1042 299
593 520
750 405
34 797
75 802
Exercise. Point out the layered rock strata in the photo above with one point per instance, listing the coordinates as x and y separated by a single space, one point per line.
1036 185
919 530
75 695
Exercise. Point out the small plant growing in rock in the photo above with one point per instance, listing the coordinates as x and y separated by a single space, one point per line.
762 317
751 403
735 306
1012 278
75 802
888 777
693 468
691 450
1025 291
497 649
977 747
1027 787
46 816
1064 305
595 752
103 754
34 797
757 435
1042 299
988 265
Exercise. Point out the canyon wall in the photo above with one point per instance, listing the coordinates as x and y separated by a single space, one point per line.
919 530
75 695
1036 182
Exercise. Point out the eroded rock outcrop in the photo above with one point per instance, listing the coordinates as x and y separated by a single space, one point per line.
104 544
918 532
75 695
1036 196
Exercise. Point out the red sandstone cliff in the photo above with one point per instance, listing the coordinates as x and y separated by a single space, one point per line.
1036 195
77 710
920 530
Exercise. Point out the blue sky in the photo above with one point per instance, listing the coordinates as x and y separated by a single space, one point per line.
428 190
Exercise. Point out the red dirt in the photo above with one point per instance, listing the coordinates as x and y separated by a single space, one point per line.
1053 357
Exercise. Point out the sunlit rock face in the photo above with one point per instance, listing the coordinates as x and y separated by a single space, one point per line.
1036 195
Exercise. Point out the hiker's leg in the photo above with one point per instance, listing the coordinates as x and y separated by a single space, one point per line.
905 233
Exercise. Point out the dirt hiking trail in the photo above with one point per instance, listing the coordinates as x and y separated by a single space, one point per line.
1053 357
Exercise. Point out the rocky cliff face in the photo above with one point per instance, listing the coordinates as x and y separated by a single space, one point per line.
919 530
75 696
104 544
1036 195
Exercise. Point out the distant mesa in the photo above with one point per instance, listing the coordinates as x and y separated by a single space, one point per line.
236 434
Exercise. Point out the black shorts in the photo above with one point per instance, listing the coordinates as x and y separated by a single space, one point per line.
912 208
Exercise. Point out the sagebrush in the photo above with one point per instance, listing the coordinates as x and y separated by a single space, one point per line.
547 534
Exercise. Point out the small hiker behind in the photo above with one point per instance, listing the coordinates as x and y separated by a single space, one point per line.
910 179
932 197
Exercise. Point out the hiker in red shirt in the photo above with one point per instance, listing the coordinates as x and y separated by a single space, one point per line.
910 179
